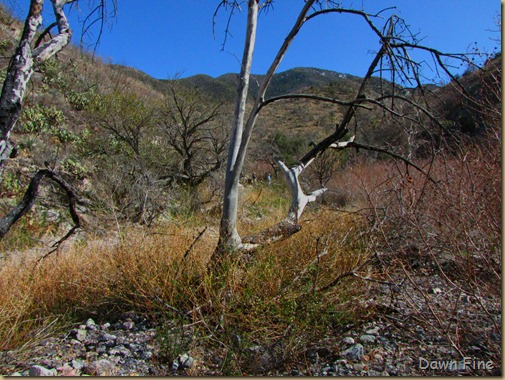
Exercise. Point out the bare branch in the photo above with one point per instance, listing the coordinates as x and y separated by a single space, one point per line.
29 199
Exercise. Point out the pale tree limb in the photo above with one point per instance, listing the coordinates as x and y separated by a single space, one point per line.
228 234
22 66
229 237
289 225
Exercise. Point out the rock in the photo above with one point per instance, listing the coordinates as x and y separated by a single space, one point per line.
384 289
367 338
379 358
67 370
102 367
373 331
80 334
146 355
348 340
128 325
186 361
90 324
120 351
38 370
105 337
78 363
358 367
175 365
355 352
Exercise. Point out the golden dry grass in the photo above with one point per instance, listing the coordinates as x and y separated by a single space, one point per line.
163 269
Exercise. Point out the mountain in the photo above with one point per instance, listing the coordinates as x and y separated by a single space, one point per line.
296 80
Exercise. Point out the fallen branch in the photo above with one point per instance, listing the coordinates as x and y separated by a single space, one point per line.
353 273
28 201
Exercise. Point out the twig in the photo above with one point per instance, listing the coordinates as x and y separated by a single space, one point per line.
188 251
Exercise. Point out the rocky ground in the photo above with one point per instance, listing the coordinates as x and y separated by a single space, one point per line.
404 340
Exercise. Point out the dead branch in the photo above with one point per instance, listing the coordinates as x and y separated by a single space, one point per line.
29 199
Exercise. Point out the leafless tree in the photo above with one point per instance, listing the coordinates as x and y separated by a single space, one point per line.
197 133
393 61
33 49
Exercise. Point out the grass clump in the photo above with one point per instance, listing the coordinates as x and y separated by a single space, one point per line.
271 300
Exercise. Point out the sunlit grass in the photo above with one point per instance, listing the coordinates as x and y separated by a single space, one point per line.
162 272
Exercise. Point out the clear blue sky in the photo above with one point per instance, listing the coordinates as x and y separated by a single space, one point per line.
168 37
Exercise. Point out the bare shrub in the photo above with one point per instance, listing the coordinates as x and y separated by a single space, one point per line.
444 236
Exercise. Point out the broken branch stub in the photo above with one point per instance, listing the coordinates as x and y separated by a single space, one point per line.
299 199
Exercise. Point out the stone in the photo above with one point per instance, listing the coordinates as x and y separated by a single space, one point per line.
128 325
384 288
80 334
175 365
186 361
355 352
105 337
379 358
120 350
101 349
102 367
38 370
78 363
67 370
90 324
146 355
373 331
359 367
348 340
367 338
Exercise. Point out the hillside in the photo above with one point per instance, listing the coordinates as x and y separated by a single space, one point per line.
397 264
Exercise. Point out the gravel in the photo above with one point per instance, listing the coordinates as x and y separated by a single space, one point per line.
400 340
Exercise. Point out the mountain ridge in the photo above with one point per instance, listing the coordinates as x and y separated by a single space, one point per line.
285 82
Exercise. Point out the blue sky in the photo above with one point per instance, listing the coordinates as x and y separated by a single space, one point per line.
165 38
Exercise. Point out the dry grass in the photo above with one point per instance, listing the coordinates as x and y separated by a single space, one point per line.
275 298
162 272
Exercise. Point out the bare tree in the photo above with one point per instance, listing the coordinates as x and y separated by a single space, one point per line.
195 131
392 60
29 54
33 49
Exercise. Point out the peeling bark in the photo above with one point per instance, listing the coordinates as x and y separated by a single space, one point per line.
22 66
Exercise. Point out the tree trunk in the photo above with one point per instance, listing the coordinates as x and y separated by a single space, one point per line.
229 237
21 68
